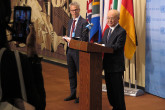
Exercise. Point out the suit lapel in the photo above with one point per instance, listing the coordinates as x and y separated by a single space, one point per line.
113 34
69 28
78 25
79 21
106 33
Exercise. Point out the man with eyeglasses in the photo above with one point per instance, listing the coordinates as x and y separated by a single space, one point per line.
113 63
76 25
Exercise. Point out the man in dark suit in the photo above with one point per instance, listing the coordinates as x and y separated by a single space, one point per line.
113 64
76 27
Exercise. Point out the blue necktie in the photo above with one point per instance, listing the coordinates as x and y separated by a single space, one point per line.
109 34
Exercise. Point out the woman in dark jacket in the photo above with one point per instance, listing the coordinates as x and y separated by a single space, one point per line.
31 66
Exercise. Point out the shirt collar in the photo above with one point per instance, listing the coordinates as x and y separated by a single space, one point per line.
113 28
77 18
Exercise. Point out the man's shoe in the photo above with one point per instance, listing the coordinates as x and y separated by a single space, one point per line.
76 100
70 98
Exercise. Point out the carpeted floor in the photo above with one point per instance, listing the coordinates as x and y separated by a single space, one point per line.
57 88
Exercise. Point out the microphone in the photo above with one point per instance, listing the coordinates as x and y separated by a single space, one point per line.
88 27
85 31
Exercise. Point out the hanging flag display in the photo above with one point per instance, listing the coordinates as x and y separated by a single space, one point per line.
97 11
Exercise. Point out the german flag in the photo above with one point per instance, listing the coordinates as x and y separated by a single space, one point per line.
127 22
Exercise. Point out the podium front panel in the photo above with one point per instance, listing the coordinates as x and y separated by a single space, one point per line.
90 81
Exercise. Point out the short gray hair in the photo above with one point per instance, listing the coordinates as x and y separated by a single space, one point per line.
116 12
74 4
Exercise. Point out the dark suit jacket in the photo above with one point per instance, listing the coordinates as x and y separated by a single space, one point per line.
114 62
81 25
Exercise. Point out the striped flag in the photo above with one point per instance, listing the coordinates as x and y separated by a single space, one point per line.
95 18
93 10
105 6
89 10
127 22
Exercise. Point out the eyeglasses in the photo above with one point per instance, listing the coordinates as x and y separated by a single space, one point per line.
74 10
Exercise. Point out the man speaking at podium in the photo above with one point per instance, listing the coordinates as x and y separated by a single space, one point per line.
113 63
76 27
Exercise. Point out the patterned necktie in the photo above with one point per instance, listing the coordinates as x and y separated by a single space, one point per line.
109 34
73 26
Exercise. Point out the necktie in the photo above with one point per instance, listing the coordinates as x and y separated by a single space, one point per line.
73 26
109 34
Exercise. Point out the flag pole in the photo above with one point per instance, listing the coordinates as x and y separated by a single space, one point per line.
135 60
129 74
135 71
129 3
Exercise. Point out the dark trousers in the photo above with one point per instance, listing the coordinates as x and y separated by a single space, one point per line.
73 68
115 90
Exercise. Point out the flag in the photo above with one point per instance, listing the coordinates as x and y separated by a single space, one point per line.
105 6
127 22
95 17
115 2
89 10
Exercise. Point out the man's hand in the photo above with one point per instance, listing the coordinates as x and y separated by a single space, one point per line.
67 39
99 44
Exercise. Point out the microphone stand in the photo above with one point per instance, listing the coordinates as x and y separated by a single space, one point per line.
84 34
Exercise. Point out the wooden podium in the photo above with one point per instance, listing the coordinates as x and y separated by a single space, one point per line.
90 71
